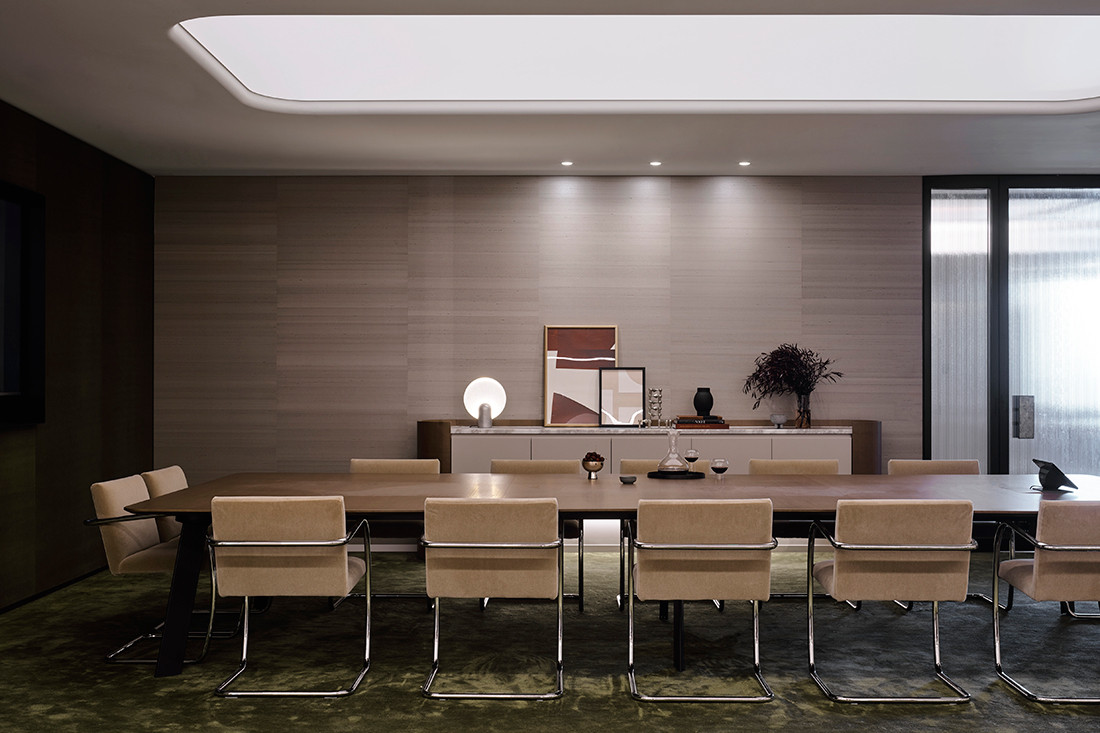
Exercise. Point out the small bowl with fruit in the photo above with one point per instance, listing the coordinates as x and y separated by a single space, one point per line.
593 463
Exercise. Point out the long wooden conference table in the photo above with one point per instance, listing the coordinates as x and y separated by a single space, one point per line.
995 497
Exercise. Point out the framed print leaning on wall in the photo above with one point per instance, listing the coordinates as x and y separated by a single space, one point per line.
572 359
622 395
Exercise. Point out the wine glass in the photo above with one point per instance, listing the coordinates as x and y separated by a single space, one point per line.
719 466
691 456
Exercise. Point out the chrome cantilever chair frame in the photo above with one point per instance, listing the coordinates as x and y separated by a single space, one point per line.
559 689
221 689
998 540
115 656
756 672
961 695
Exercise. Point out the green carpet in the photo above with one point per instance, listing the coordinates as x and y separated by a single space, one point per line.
54 678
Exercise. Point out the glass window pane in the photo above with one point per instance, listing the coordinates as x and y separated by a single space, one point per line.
959 241
1054 286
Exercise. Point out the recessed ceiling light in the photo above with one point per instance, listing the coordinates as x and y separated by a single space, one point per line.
654 162
744 163
378 63
567 162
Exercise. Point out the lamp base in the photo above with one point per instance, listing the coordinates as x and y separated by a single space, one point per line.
485 416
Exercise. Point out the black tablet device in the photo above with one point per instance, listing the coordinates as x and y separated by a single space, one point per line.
1051 477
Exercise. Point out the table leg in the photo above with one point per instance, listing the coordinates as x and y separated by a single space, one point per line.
678 636
181 597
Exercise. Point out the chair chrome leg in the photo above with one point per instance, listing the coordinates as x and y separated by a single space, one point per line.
960 696
1071 610
222 691
210 615
559 673
1012 681
620 599
998 538
632 676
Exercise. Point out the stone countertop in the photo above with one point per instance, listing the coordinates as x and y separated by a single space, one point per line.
656 432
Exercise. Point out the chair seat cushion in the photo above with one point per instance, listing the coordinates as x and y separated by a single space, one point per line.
888 584
1067 586
160 558
357 568
824 572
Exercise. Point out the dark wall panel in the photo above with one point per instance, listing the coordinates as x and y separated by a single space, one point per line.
98 423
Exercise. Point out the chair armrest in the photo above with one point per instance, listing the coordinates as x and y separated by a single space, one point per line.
1027 537
296 543
970 546
672 546
96 522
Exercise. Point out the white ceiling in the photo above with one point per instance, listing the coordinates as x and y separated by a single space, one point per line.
107 72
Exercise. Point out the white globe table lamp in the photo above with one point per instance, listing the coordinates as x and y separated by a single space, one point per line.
484 399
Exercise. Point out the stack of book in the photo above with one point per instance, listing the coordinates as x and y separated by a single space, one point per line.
708 422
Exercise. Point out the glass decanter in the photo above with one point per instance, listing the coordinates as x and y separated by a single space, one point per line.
673 462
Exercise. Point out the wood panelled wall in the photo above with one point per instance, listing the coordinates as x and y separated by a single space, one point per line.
303 321
99 351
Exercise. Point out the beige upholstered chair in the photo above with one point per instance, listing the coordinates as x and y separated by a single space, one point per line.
887 549
287 546
1065 567
792 466
395 465
572 529
788 467
702 550
396 528
133 545
501 548
160 482
638 466
907 467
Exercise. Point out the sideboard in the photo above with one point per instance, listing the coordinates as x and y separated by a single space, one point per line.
461 447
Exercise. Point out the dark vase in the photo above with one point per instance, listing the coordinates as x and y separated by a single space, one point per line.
703 401
803 419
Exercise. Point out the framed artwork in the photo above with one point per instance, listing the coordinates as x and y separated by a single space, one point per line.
572 359
622 395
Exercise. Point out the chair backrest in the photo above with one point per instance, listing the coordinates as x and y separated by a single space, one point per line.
638 465
911 467
395 465
122 539
792 466
909 575
508 465
1068 576
280 571
704 574
160 482
491 573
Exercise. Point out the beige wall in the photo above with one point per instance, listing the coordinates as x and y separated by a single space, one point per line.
303 321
